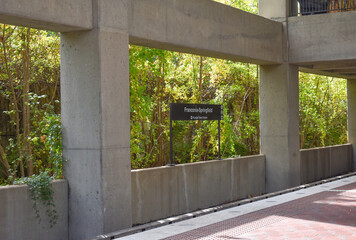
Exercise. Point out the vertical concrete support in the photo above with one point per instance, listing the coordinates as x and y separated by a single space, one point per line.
351 118
96 122
279 117
279 109
274 9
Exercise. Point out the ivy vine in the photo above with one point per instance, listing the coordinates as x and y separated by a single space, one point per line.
41 192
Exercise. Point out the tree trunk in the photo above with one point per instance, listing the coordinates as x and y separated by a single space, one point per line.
159 136
4 162
201 155
14 104
26 103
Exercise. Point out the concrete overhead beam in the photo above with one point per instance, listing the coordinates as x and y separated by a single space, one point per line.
54 15
206 28
329 73
201 27
339 65
322 38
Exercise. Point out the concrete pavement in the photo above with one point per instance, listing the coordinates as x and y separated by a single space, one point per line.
325 211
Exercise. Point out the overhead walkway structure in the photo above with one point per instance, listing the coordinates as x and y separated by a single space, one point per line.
95 35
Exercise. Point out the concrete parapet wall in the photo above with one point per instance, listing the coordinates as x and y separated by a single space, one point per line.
167 191
322 37
321 163
17 217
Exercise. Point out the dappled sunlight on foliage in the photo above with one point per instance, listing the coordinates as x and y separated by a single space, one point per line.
159 77
322 111
29 90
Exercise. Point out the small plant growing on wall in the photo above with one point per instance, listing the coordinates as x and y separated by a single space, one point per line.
49 130
41 193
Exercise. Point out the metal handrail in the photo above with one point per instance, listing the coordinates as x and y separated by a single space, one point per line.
310 7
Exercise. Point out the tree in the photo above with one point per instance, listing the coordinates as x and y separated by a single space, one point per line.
322 111
26 73
246 5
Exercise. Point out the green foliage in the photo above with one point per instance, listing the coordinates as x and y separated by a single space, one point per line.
322 111
246 5
50 130
41 191
28 82
46 144
41 144
159 77
45 139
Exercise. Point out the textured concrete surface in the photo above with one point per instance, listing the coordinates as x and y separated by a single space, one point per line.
54 15
279 124
167 191
321 163
322 37
324 43
279 110
96 130
206 28
96 123
274 9
17 216
315 164
200 27
340 160
325 211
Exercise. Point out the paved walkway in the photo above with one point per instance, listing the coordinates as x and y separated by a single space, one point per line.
326 211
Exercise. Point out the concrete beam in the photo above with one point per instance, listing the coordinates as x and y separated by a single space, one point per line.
341 69
207 28
322 38
344 73
201 27
339 65
54 15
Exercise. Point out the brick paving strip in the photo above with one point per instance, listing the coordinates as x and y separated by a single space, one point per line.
326 215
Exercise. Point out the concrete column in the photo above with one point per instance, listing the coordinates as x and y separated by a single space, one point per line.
279 109
279 121
274 9
351 118
96 122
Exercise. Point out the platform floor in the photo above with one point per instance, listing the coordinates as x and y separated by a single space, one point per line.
326 211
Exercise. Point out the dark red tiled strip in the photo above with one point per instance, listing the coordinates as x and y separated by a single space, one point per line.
325 215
